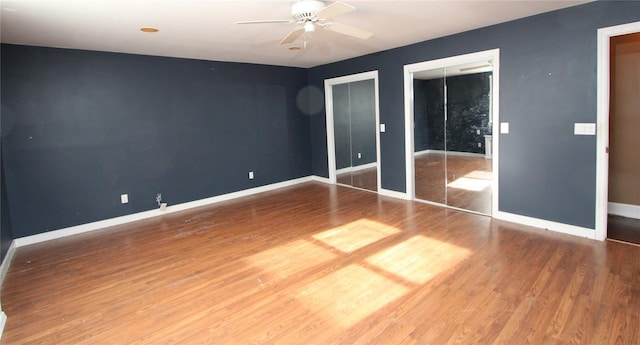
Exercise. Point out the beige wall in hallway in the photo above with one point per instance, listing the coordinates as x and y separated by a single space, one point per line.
624 119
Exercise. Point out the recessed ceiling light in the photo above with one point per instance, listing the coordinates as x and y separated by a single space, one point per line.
294 48
149 29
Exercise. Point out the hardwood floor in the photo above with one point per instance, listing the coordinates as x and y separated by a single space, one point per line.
623 229
320 264
467 184
364 179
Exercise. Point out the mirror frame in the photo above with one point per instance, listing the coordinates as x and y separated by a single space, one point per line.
328 99
492 55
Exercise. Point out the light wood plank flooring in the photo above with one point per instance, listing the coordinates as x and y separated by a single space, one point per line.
623 229
320 264
465 181
364 179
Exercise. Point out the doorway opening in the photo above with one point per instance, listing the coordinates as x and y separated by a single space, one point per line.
353 142
451 115
614 171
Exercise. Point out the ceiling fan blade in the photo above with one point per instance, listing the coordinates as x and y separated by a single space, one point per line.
292 36
286 21
349 31
335 9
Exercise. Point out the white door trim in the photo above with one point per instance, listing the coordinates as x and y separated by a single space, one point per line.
328 98
409 70
602 140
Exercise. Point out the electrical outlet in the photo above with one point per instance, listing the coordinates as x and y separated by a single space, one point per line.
250 175
124 198
359 155
479 144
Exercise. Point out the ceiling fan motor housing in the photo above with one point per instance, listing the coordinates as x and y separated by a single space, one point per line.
306 10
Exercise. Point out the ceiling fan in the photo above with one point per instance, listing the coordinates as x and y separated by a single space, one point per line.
309 14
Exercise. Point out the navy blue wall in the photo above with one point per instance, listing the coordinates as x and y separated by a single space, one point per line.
428 114
6 235
547 83
354 122
80 128
363 122
342 125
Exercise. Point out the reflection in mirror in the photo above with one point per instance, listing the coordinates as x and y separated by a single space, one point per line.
354 122
468 128
429 139
452 136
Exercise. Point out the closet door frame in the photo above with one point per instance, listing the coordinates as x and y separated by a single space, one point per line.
328 97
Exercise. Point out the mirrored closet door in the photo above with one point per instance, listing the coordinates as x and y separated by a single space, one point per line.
452 136
353 111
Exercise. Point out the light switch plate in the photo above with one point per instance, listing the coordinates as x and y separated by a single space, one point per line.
383 128
584 128
124 198
504 127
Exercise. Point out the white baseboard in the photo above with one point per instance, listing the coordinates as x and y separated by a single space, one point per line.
548 225
514 218
356 168
451 153
625 210
393 194
320 179
429 151
78 229
6 262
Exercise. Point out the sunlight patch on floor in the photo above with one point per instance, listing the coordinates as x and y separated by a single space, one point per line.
480 175
355 235
350 294
288 259
419 258
470 183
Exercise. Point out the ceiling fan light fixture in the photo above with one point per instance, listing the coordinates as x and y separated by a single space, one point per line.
309 27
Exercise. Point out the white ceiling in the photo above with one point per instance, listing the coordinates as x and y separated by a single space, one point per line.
205 29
